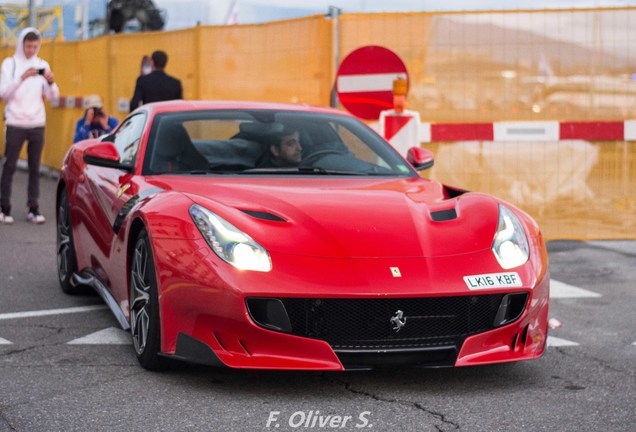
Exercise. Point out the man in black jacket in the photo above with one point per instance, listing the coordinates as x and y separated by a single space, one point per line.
157 85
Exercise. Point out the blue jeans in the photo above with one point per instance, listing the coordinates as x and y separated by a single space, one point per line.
15 138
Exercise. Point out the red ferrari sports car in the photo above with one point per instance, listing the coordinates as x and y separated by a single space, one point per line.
274 236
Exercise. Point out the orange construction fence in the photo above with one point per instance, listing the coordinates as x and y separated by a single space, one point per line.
464 67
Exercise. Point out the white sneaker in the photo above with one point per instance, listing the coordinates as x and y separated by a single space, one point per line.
6 219
34 216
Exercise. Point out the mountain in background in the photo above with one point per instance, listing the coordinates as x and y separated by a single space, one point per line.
512 47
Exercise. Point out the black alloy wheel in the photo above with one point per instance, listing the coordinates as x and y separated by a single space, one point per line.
144 305
66 258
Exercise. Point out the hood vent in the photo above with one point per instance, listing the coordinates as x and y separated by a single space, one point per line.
444 215
263 215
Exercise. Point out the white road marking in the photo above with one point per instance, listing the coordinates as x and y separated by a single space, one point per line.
563 290
557 342
5 342
108 336
29 314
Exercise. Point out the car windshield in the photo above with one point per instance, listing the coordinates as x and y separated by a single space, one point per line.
268 142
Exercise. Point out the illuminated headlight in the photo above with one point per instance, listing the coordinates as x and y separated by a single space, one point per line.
510 244
229 243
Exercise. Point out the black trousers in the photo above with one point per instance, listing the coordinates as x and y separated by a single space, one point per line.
15 138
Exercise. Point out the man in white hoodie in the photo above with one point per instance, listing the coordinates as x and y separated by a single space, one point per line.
25 79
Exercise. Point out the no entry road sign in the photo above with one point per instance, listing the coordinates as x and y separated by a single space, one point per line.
364 81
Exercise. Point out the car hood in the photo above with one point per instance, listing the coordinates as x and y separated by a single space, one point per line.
348 218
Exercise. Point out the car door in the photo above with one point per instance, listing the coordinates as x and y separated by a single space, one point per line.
113 187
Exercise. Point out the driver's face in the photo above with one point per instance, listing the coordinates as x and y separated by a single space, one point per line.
290 150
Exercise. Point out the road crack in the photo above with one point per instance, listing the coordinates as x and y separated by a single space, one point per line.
442 417
4 420
79 389
599 362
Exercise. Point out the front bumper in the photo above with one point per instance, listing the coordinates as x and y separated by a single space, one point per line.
205 306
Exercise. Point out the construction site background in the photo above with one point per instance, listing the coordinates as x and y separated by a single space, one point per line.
465 67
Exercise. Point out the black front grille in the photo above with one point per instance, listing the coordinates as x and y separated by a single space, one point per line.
366 324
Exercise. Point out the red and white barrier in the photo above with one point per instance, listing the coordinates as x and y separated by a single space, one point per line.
123 104
402 132
68 102
530 131
525 131
401 129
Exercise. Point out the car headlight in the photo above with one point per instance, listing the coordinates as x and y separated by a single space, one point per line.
510 244
229 243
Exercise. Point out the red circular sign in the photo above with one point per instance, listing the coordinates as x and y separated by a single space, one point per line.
364 81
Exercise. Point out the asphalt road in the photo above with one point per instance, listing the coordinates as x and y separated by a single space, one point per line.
586 381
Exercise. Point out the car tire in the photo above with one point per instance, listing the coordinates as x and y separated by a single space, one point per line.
145 325
66 257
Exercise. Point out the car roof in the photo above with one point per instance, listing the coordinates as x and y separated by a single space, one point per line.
196 105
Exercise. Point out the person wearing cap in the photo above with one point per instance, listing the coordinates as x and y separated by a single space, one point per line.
95 122
25 81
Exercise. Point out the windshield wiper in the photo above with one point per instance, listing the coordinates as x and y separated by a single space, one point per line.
300 170
199 172
317 170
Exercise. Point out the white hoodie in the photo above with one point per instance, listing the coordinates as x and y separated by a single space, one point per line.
24 103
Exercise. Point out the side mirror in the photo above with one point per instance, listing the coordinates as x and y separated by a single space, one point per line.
104 154
420 158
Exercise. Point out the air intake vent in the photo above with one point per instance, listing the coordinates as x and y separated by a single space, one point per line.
444 215
510 309
263 215
269 313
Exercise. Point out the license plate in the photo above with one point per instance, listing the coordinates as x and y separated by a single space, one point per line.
493 280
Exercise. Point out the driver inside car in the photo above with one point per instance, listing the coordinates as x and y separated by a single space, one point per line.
284 150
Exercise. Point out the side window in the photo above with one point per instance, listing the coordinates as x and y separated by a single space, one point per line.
128 137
